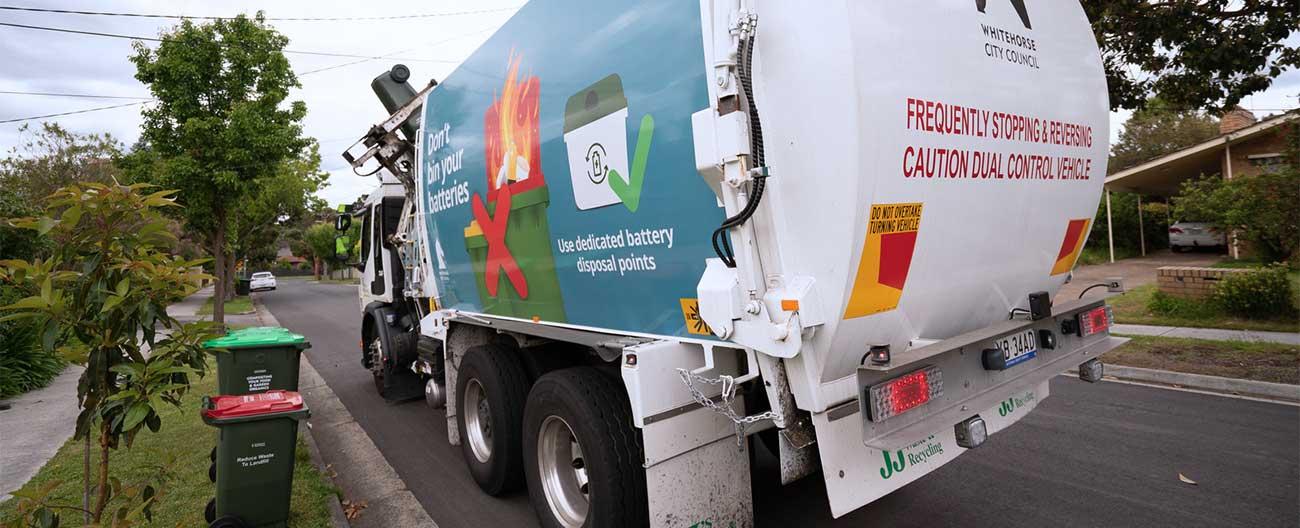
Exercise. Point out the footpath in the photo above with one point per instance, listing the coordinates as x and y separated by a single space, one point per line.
1282 338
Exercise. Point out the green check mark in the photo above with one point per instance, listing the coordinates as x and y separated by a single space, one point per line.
630 190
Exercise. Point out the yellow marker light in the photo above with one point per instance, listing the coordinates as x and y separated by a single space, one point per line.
790 305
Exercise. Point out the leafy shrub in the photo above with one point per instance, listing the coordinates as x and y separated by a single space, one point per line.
1265 293
24 365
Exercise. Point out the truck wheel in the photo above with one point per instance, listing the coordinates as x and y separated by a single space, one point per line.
394 381
490 391
582 455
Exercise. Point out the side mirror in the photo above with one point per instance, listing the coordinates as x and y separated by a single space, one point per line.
342 222
359 266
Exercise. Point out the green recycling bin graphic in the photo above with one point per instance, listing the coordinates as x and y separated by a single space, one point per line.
509 238
595 136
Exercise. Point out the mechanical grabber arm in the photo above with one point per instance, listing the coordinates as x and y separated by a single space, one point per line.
382 143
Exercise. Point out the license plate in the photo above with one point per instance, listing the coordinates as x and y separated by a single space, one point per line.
1018 348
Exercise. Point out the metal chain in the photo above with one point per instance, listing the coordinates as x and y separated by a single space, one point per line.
725 400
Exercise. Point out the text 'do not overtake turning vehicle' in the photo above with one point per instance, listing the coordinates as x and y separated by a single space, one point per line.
624 237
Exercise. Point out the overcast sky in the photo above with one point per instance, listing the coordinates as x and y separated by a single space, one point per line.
339 101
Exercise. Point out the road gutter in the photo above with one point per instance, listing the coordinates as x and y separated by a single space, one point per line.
1215 385
354 463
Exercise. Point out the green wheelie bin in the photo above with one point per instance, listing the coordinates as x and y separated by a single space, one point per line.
255 457
257 360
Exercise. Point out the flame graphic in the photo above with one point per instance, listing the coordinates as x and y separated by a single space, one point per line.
512 137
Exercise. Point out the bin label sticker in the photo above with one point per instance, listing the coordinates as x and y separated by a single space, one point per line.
260 380
886 259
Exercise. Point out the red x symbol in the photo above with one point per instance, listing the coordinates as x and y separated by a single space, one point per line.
498 257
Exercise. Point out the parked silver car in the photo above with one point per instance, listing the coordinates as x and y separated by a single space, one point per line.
1186 235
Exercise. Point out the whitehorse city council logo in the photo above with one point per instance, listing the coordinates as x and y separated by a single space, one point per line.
1020 10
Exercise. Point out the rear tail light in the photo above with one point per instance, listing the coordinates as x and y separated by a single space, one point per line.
904 393
1095 321
1175 231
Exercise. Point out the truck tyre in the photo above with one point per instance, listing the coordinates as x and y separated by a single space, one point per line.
582 454
394 380
490 391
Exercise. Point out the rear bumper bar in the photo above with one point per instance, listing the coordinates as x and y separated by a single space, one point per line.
967 386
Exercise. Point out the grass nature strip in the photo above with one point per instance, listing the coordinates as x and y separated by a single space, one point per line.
1270 362
239 305
185 437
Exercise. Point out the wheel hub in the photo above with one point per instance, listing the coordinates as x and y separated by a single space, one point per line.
478 421
563 471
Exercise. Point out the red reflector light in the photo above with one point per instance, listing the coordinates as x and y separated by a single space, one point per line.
909 391
1096 320
904 393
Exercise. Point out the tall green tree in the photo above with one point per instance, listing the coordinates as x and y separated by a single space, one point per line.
1156 130
52 157
221 124
1207 54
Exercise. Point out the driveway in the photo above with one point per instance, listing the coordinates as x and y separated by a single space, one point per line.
1136 271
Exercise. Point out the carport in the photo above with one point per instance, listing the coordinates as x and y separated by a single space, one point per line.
1244 148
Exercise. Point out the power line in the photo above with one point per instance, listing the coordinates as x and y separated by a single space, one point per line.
155 39
281 19
87 96
83 111
309 72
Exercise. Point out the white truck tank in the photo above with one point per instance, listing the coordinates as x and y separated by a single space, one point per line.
932 164
862 196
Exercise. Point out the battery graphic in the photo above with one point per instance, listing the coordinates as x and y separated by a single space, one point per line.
595 134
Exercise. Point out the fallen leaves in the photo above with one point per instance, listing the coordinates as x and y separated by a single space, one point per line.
1183 478
352 510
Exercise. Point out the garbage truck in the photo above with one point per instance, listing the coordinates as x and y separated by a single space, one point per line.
624 244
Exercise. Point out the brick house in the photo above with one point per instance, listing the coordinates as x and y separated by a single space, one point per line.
1245 147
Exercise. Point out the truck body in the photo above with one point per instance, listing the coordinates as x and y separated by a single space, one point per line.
838 229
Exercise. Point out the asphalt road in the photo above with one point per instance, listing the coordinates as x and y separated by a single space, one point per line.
1090 455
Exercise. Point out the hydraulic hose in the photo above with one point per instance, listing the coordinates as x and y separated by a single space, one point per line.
721 243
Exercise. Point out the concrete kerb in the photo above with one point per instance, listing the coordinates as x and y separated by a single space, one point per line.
1257 389
368 477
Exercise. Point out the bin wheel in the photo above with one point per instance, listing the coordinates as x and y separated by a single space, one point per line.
582 456
229 521
210 511
490 392
212 472
213 455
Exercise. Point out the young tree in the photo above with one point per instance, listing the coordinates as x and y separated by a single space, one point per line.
282 200
319 240
52 157
98 299
220 125
1193 53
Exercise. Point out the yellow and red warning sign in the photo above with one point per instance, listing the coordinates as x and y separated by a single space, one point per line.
691 315
1075 233
886 259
